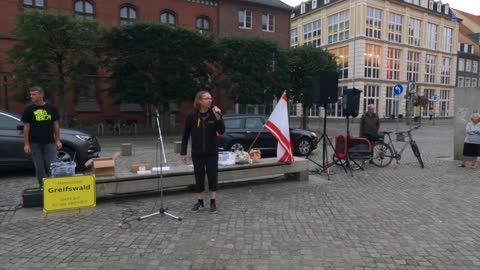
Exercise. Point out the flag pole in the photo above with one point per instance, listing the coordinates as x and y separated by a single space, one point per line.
254 141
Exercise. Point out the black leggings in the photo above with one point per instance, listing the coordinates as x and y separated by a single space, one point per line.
210 164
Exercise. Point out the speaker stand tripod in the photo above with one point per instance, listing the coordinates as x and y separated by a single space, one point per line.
163 211
324 168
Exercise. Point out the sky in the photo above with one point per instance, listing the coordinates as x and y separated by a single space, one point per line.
470 6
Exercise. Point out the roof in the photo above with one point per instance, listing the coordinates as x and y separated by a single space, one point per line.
271 3
474 18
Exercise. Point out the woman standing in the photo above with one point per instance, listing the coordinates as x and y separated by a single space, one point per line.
471 146
203 124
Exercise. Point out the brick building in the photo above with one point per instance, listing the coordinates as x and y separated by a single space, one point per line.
95 105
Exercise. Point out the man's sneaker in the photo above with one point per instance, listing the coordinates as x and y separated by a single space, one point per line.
213 208
197 207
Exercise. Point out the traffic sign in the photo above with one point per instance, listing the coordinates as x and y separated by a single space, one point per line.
412 87
434 98
398 89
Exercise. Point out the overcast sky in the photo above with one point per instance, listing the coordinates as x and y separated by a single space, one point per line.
470 6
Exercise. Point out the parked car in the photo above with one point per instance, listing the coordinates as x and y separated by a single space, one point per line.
241 130
77 146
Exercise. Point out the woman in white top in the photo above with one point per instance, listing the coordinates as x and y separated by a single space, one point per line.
471 146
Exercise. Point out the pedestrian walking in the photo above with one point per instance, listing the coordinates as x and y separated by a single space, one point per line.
471 145
204 124
41 133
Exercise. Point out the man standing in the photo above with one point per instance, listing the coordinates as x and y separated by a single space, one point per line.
41 133
369 124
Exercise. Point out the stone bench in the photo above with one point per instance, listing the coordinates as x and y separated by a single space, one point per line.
174 178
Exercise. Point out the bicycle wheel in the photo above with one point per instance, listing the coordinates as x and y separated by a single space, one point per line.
416 152
382 154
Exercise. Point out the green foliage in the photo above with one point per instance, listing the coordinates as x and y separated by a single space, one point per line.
50 48
303 62
255 68
156 63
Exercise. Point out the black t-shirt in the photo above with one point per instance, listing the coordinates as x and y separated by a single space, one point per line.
41 120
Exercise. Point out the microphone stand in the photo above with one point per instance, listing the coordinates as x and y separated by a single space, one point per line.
162 211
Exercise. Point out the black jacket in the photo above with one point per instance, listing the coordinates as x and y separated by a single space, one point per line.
204 133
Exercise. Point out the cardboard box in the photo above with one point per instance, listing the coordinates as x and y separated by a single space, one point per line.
141 167
103 166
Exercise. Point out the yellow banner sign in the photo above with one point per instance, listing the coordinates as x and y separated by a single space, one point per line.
63 193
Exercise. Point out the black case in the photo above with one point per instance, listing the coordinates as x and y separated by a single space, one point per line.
32 197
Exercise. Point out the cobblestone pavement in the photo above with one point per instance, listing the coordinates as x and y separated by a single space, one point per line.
399 217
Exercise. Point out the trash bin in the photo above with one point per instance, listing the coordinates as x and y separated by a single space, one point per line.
126 149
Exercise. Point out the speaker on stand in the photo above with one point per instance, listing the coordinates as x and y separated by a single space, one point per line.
325 91
350 107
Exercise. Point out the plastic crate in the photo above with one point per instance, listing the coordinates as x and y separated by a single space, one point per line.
59 169
226 158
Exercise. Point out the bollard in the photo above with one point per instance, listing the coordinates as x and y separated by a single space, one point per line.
126 149
177 146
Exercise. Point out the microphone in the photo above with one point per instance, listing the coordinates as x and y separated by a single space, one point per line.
219 113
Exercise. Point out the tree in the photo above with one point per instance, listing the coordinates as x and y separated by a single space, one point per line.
303 62
52 50
253 69
156 64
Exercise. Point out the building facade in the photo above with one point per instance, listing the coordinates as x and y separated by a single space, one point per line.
260 18
382 43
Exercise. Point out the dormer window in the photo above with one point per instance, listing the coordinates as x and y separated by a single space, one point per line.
314 4
430 4
446 10
326 2
302 8
439 7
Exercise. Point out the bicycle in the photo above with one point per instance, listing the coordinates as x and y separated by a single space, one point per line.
384 152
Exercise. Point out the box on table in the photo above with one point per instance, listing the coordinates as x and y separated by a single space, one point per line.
141 167
103 166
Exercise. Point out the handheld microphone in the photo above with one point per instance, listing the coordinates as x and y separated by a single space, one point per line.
219 113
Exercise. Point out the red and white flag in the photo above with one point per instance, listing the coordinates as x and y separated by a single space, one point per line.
278 125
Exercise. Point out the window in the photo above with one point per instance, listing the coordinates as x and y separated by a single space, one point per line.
311 34
461 64
87 100
335 109
393 64
475 67
432 36
268 22
467 82
293 38
445 74
374 23
414 28
429 68
245 18
8 122
392 103
128 14
326 2
302 8
37 4
84 9
446 10
395 27
447 39
292 108
314 111
253 123
342 61
233 123
202 24
474 82
372 61
314 4
413 64
439 7
460 82
430 4
339 27
444 102
168 17
468 66
370 96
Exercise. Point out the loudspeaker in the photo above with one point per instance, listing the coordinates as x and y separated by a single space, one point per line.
351 102
325 87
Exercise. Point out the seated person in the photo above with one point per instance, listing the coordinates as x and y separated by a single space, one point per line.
369 124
